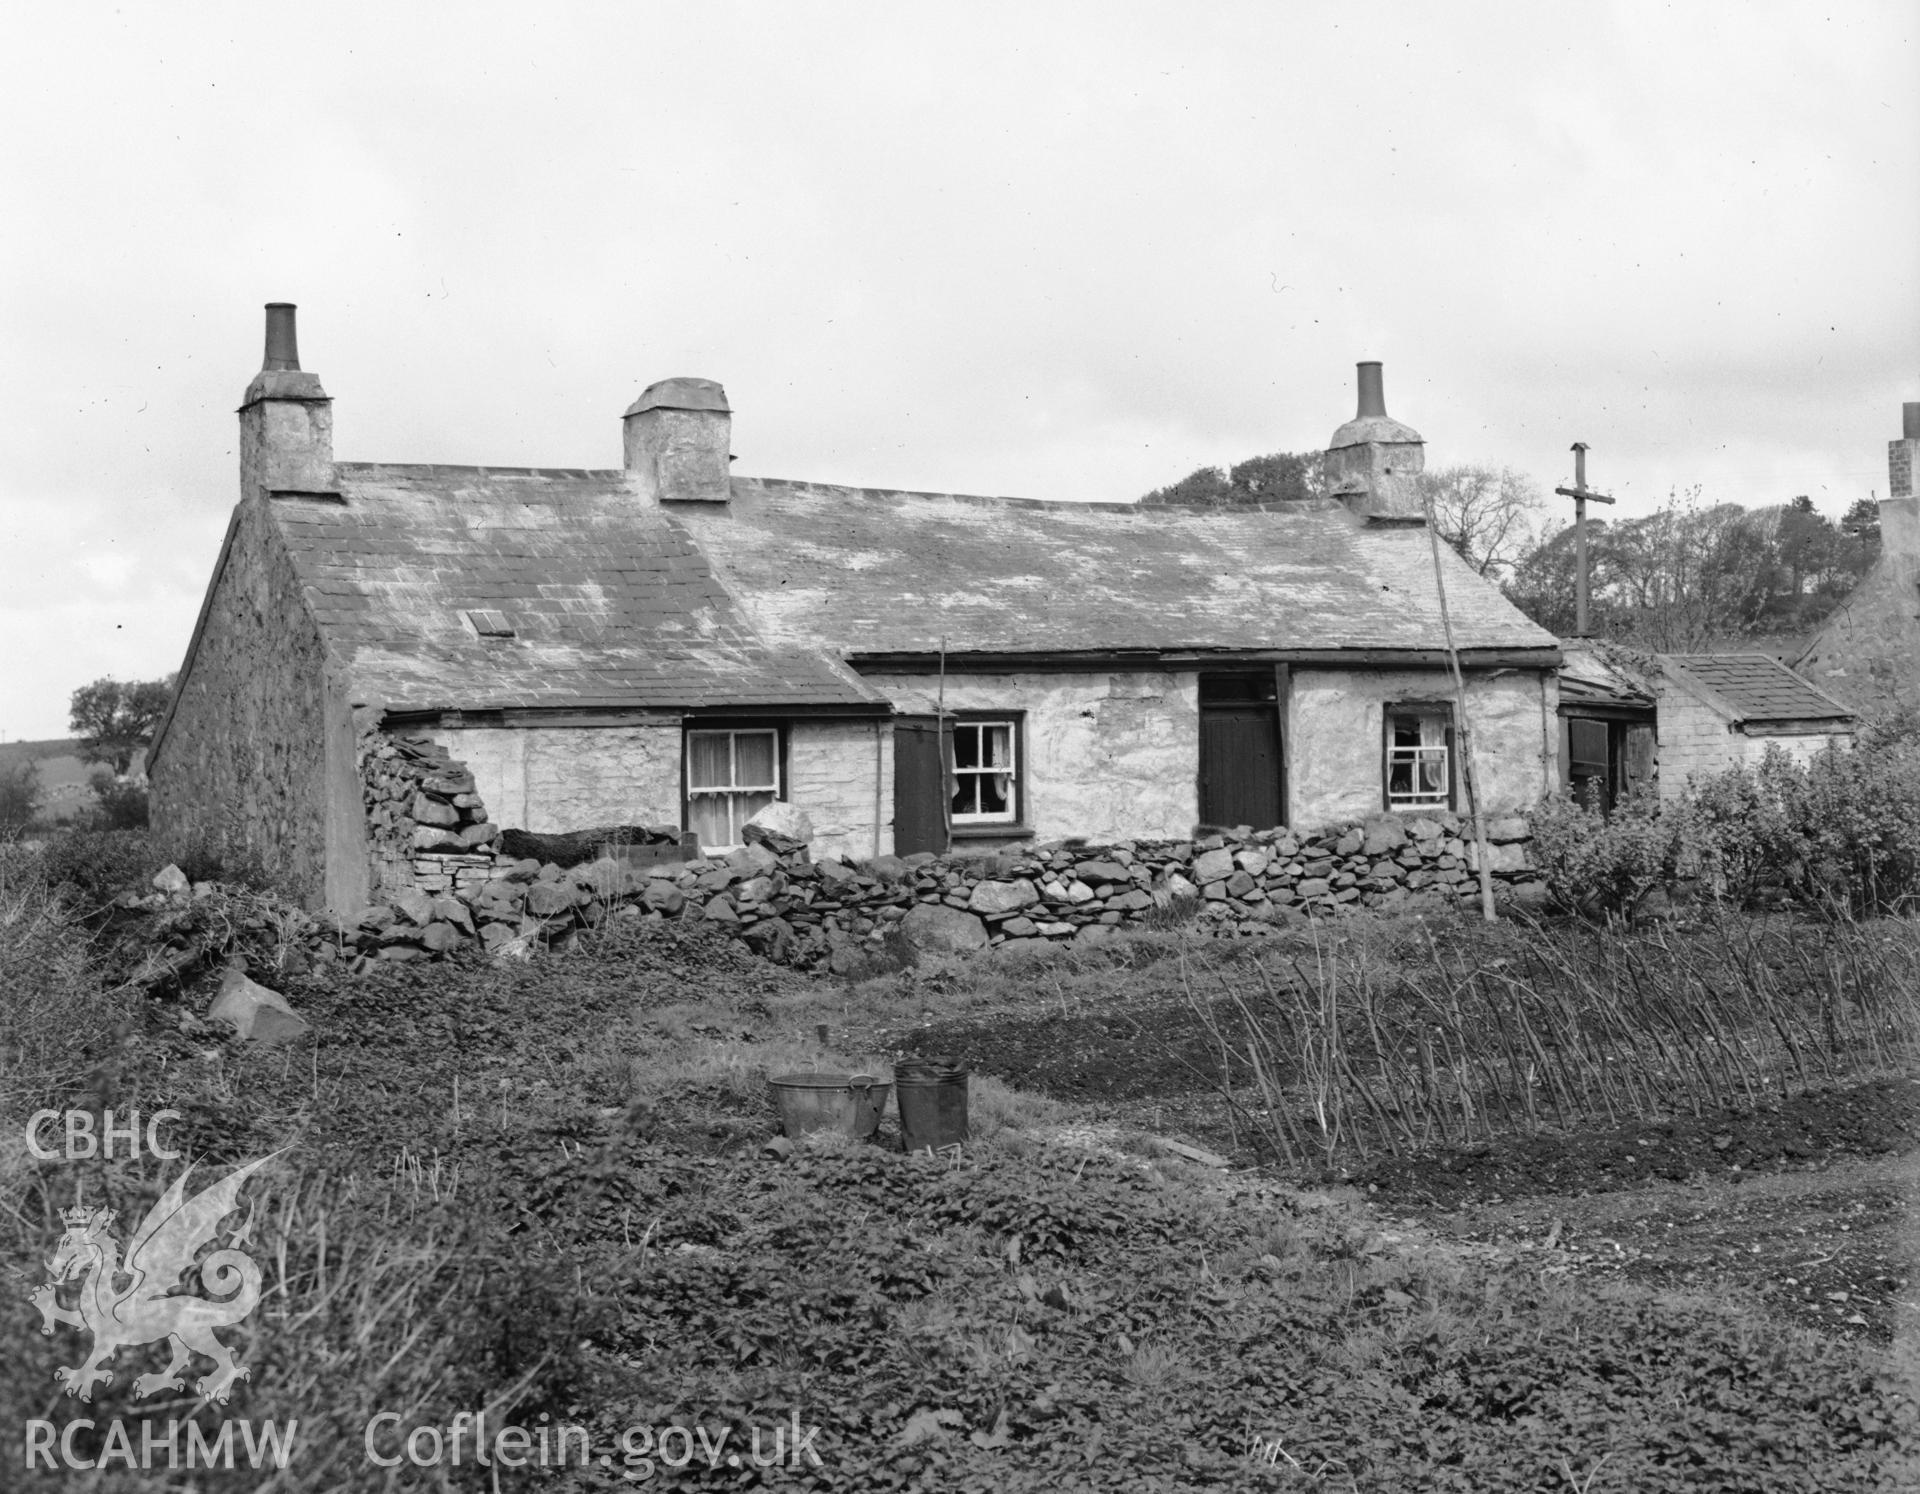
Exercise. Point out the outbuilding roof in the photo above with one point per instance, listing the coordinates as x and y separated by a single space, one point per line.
1758 687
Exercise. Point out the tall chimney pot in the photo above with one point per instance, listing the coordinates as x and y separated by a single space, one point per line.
286 420
1373 397
283 346
1910 421
1373 459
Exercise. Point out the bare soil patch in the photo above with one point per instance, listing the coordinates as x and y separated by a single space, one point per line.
1798 1204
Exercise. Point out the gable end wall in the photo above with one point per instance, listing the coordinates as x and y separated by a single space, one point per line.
259 751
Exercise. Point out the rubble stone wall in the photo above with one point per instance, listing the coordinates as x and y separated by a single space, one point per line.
555 778
250 758
820 915
422 808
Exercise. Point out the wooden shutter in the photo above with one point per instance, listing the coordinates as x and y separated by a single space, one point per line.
920 786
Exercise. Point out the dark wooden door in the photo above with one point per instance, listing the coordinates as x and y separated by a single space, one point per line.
1240 766
919 786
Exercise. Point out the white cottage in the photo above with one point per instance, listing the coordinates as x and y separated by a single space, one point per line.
669 644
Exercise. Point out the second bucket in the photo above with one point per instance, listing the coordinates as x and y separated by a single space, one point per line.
932 1095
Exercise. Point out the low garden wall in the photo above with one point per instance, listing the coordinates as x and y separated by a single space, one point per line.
824 914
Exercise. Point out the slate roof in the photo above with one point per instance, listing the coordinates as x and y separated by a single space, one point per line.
759 602
860 572
610 602
1598 673
1759 687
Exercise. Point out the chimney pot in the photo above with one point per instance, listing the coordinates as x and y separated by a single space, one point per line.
1910 421
283 346
1373 397
286 420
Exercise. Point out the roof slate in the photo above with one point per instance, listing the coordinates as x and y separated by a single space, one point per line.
610 602
1759 687
860 571
759 602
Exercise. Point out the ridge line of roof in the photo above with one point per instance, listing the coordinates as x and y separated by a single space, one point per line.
355 469
1101 505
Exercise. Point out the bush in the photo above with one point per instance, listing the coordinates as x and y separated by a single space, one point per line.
118 803
89 868
1604 865
1838 834
19 794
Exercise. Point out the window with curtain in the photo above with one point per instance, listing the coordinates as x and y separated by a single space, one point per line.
1419 767
985 785
731 776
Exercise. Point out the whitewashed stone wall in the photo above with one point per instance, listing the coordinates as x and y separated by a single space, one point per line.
1110 756
1337 734
557 778
831 775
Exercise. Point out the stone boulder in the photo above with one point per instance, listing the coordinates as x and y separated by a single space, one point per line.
1213 866
993 898
256 1013
780 826
939 929
1385 833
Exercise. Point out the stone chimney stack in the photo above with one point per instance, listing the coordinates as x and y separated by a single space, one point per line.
1900 509
677 438
1372 460
286 420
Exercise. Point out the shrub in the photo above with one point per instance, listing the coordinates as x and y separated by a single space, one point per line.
1739 829
19 793
1595 864
1839 833
1857 814
118 803
89 868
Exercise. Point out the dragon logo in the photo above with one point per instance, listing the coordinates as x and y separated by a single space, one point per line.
147 1308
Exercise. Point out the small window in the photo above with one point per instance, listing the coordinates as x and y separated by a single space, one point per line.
1419 757
985 772
731 777
488 623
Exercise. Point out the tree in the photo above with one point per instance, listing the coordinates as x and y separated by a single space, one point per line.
1859 544
1489 515
19 793
1281 477
114 720
1806 540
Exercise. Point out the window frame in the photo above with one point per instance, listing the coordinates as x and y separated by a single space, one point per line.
1440 708
1015 817
730 730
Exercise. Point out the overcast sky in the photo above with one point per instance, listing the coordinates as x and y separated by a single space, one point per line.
1052 250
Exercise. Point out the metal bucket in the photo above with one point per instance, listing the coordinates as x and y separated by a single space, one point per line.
851 1104
933 1103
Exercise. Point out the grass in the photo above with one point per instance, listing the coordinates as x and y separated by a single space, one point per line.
535 1187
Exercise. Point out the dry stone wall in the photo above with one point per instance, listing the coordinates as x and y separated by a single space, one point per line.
426 825
821 915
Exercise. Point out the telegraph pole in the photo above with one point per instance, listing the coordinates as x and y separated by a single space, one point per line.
1580 494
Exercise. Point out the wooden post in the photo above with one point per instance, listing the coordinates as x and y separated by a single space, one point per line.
1467 777
1579 494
